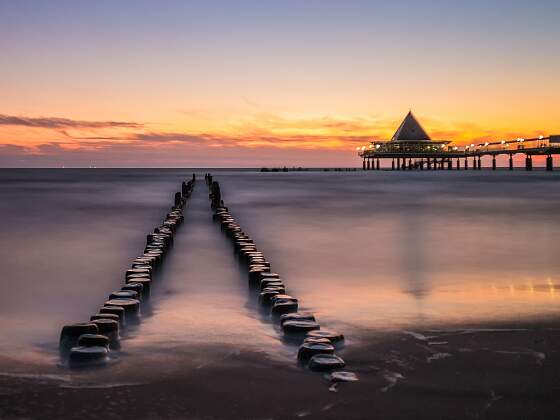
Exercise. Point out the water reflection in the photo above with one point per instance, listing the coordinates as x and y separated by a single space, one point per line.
387 250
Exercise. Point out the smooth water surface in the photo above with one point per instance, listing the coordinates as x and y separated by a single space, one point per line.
366 252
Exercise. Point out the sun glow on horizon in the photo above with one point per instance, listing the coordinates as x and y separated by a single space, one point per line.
253 84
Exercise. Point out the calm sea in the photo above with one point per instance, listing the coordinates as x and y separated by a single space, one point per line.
365 252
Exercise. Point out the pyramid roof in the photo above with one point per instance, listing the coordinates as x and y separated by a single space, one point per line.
410 130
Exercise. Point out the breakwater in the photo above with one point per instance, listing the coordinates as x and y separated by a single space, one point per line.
92 342
317 346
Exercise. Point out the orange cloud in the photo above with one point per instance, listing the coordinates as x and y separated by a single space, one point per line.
257 135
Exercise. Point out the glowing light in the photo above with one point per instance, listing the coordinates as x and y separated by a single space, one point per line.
541 137
472 145
503 142
551 288
377 146
363 147
371 146
358 148
486 144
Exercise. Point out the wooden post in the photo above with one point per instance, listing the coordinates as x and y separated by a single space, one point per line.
458 164
393 164
377 163
511 162
364 165
368 165
480 162
466 163
493 162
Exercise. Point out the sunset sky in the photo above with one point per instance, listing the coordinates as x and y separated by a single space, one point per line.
252 83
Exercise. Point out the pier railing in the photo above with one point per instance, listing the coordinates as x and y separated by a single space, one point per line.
540 145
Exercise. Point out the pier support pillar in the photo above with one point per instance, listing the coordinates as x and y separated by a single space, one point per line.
428 164
377 164
364 165
403 167
511 162
410 164
458 164
493 162
466 163
393 164
398 164
479 163
549 163
421 164
368 165
449 165
528 163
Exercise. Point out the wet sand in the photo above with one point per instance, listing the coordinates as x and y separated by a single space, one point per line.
509 374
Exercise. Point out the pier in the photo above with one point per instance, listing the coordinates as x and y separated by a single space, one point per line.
412 148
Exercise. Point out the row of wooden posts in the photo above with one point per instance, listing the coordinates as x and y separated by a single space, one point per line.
93 342
317 346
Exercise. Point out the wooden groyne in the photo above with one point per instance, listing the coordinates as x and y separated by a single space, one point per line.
92 342
317 346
